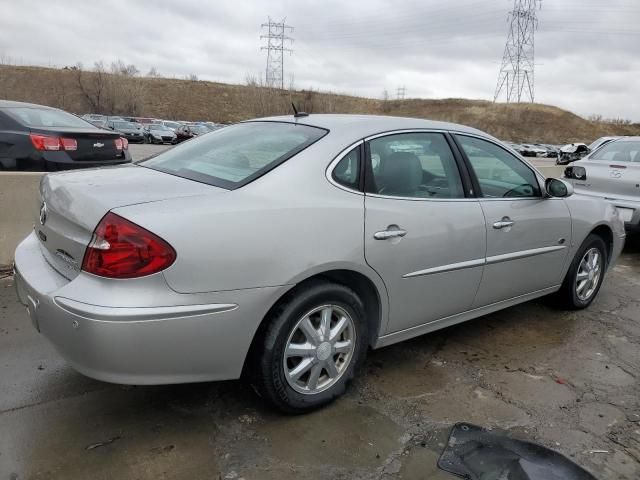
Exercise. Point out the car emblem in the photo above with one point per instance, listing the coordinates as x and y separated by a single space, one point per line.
615 173
43 213
98 145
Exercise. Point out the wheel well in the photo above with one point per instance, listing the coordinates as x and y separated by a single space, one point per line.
358 282
604 232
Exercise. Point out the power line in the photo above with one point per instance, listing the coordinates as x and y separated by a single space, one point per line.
401 92
516 77
276 46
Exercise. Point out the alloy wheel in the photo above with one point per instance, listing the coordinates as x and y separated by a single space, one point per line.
588 274
319 349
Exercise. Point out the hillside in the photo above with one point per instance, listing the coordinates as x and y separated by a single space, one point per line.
82 92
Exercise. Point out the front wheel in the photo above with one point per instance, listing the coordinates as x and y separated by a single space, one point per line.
585 275
314 343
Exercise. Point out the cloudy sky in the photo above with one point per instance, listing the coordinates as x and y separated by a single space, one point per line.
587 51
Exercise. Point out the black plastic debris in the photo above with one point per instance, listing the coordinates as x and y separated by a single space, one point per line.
474 453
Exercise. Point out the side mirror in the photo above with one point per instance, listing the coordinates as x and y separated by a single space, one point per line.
558 188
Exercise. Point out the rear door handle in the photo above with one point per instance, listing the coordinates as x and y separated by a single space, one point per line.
392 231
504 223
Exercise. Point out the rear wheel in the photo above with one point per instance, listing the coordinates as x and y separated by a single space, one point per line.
314 343
585 275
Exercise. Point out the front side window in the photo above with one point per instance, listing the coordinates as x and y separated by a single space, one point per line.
621 151
500 174
415 165
347 171
233 156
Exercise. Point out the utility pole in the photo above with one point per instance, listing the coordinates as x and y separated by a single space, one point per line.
401 92
276 46
516 80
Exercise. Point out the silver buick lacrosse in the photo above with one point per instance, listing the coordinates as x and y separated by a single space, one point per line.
282 249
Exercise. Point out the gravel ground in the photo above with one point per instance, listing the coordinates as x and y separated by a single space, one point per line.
566 379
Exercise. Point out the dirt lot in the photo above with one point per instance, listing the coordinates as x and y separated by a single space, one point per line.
568 380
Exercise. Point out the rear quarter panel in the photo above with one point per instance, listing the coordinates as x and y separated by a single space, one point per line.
587 213
285 226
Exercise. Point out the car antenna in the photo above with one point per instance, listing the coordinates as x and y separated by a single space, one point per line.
297 114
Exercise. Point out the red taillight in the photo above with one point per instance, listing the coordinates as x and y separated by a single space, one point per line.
121 249
47 142
120 143
125 143
69 143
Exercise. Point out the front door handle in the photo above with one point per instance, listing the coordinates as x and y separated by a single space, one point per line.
504 223
392 231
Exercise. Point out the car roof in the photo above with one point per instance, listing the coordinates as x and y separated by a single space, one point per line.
13 104
370 124
628 139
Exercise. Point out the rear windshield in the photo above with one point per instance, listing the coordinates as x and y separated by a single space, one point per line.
234 156
45 117
620 151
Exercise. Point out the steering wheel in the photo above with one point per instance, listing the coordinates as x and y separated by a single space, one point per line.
514 189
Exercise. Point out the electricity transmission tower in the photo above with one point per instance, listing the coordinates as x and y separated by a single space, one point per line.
401 92
515 79
276 46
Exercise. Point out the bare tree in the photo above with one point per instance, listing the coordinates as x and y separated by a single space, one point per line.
153 73
121 68
93 85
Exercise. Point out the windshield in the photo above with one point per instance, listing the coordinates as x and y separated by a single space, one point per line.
234 156
156 126
620 151
46 117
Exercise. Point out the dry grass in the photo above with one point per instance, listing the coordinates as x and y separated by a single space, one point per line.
201 100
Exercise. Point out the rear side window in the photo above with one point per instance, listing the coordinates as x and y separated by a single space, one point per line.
347 171
45 117
234 156
617 152
415 165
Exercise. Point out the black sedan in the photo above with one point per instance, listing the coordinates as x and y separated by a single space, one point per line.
36 137
129 130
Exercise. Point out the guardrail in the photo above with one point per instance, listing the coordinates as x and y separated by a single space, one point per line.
18 209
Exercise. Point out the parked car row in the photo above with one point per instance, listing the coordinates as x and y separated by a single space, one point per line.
38 137
152 130
535 149
564 154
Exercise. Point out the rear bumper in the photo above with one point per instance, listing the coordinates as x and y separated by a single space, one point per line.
62 158
180 340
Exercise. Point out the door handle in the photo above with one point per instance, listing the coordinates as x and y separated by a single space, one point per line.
504 223
392 231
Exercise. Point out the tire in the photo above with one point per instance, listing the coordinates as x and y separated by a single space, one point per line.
569 296
285 327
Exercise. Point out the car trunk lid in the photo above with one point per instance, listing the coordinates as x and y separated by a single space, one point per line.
93 144
72 204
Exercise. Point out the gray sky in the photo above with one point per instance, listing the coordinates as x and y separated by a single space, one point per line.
587 51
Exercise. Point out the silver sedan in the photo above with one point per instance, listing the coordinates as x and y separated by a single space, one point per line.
612 172
282 249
